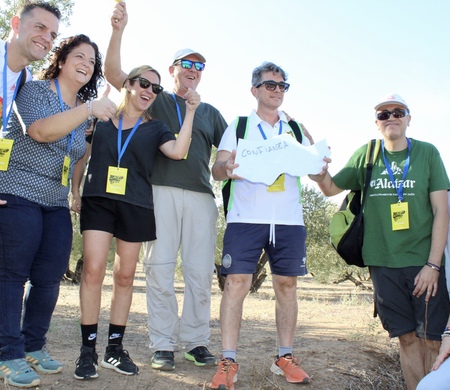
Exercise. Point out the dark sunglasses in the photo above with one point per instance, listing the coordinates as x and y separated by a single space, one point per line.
144 84
272 85
396 113
187 64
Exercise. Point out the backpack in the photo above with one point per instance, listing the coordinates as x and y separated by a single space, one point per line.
23 78
241 127
347 225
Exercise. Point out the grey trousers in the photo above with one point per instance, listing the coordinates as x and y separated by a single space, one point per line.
185 221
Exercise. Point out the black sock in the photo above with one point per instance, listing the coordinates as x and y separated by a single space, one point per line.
89 335
115 334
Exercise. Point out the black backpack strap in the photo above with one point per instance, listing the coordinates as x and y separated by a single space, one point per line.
370 158
296 129
241 126
23 78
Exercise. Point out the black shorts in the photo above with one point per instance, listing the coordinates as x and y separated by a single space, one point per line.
123 220
400 311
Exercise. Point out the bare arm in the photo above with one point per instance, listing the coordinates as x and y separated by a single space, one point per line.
113 63
59 125
77 177
178 148
444 351
307 134
440 225
305 131
427 279
224 165
325 181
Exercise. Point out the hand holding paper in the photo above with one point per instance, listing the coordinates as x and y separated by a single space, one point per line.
263 161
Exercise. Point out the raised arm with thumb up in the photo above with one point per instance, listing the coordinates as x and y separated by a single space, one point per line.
104 108
56 126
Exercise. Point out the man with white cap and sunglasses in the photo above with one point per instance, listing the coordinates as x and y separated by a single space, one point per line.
405 230
185 213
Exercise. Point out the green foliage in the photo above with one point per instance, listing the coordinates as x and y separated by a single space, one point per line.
77 240
221 222
8 9
322 261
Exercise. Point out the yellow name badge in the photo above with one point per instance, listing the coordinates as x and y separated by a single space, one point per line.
400 216
278 185
5 153
117 180
65 171
185 156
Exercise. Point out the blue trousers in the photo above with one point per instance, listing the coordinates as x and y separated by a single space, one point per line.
35 244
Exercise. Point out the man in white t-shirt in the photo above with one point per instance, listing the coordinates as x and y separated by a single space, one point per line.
261 217
33 30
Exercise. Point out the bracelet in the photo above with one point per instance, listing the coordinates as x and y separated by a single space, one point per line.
434 266
445 334
89 106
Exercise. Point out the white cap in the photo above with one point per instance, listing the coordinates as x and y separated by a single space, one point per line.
392 99
183 53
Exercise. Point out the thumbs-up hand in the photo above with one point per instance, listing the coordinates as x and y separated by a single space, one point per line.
104 108
192 99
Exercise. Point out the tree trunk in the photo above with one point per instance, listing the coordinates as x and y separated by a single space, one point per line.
258 277
74 276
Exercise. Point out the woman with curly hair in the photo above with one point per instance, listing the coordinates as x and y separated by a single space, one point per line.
47 133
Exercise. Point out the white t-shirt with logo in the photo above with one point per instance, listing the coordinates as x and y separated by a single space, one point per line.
252 202
11 80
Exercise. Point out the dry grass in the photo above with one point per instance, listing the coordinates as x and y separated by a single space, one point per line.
337 342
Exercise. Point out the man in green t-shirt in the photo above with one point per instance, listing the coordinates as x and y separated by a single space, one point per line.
405 230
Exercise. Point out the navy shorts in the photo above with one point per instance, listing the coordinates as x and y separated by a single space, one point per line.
400 311
123 220
244 242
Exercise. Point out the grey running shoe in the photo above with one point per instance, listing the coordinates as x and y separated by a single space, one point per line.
163 360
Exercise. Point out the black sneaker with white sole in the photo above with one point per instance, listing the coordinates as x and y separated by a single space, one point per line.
118 359
201 357
86 364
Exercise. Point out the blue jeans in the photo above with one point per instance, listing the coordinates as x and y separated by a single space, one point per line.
35 244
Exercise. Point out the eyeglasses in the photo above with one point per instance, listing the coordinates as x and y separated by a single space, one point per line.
396 113
272 85
144 84
187 64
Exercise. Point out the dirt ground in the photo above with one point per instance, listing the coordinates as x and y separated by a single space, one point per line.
339 343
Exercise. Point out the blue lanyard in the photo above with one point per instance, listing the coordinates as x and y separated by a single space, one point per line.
264 134
178 110
121 149
5 116
399 190
72 134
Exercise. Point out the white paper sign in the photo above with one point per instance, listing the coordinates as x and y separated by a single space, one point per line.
263 161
